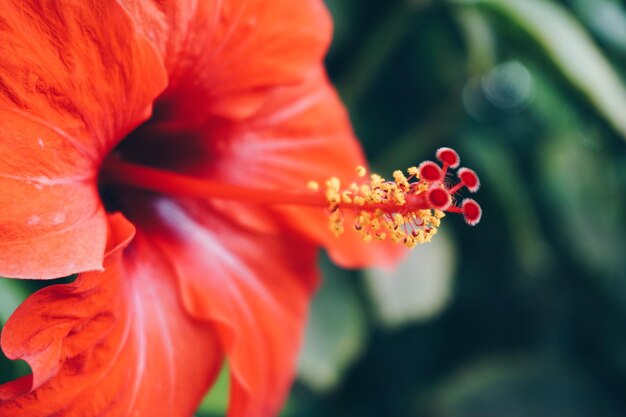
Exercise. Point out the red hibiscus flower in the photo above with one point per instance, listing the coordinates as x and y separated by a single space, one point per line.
162 150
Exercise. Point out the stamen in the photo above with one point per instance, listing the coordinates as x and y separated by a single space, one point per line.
406 210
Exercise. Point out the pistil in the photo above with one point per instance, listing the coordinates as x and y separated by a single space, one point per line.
408 209
115 170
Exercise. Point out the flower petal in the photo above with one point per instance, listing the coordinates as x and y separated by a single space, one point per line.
303 133
69 91
114 343
300 133
255 287
222 55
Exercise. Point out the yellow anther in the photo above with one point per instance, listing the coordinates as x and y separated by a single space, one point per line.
399 196
313 186
409 241
365 216
333 183
400 179
333 198
397 236
376 180
335 222
384 210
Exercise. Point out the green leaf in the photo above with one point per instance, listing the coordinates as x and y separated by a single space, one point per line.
215 402
478 38
588 212
519 387
11 295
335 334
419 287
605 18
571 49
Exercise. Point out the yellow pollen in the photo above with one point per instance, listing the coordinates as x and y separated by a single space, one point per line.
381 208
359 200
313 186
400 179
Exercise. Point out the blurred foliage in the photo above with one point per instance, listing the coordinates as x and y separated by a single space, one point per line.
525 314
418 288
528 313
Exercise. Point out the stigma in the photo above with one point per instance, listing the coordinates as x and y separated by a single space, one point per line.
407 209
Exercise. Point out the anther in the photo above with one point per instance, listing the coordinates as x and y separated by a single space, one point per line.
313 186
407 209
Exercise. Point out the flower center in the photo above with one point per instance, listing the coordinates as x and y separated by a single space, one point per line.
407 210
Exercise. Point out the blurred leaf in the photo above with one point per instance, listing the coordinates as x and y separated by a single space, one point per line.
419 287
12 293
376 48
500 172
215 402
588 211
606 18
572 50
479 40
520 387
335 334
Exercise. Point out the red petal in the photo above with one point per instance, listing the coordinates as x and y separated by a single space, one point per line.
301 133
74 78
115 343
222 56
254 286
